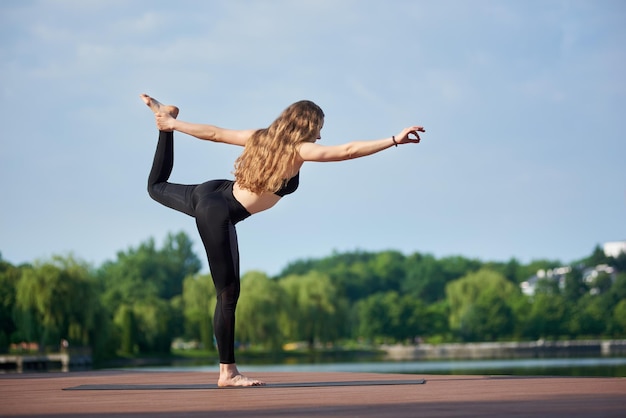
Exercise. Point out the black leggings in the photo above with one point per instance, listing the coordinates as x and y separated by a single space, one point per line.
216 211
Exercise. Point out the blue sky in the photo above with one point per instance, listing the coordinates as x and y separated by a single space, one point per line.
523 104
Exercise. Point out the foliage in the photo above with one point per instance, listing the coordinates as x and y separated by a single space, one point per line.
57 300
140 291
260 306
391 317
198 306
140 302
547 317
314 308
480 305
575 287
9 276
619 317
147 272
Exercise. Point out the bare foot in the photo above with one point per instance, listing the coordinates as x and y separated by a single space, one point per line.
239 380
157 107
230 377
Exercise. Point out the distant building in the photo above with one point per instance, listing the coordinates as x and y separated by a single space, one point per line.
613 249
555 275
558 275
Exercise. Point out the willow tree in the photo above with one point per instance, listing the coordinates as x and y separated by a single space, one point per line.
58 298
316 311
259 310
481 305
9 276
198 307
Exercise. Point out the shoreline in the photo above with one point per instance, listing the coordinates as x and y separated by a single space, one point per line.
506 350
390 352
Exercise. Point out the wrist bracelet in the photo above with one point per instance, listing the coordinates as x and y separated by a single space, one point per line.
393 138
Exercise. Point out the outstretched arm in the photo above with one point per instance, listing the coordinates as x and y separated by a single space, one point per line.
315 152
166 121
205 132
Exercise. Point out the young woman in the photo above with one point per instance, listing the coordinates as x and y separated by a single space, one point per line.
266 171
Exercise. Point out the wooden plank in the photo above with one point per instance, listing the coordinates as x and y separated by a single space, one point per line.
442 396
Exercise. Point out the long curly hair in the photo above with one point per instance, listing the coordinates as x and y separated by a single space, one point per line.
269 155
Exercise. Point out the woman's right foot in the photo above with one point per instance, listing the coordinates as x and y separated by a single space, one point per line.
238 381
157 107
230 376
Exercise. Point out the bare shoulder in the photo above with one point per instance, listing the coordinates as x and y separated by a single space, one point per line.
309 150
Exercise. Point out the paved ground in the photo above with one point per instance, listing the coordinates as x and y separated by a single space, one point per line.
193 394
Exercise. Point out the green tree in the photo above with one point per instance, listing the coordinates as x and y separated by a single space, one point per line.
597 257
520 308
425 278
588 317
131 277
511 270
618 287
547 286
178 261
410 319
436 326
619 319
489 318
455 267
198 306
480 305
125 320
315 308
355 274
59 296
259 311
374 319
391 317
150 282
618 262
387 269
547 316
146 272
601 284
575 286
154 325
9 276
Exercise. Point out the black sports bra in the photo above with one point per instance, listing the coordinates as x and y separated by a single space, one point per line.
290 186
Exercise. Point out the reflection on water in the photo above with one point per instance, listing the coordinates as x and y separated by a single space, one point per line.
607 367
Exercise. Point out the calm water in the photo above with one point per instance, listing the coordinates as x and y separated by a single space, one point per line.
606 366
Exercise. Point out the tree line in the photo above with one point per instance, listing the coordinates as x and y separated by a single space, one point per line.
140 302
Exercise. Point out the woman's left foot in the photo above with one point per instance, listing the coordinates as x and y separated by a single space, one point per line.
239 381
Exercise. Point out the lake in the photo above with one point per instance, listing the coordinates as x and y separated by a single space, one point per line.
602 366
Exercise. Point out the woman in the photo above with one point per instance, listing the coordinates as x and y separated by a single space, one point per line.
267 170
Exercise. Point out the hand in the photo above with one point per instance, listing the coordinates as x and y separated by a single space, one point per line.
410 135
164 121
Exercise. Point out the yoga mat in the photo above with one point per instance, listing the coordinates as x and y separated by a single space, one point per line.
206 386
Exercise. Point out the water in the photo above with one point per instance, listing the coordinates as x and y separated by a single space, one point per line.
605 366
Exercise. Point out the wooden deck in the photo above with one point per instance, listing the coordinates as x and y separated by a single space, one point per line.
194 394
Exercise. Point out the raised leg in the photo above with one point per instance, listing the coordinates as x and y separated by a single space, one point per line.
175 196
